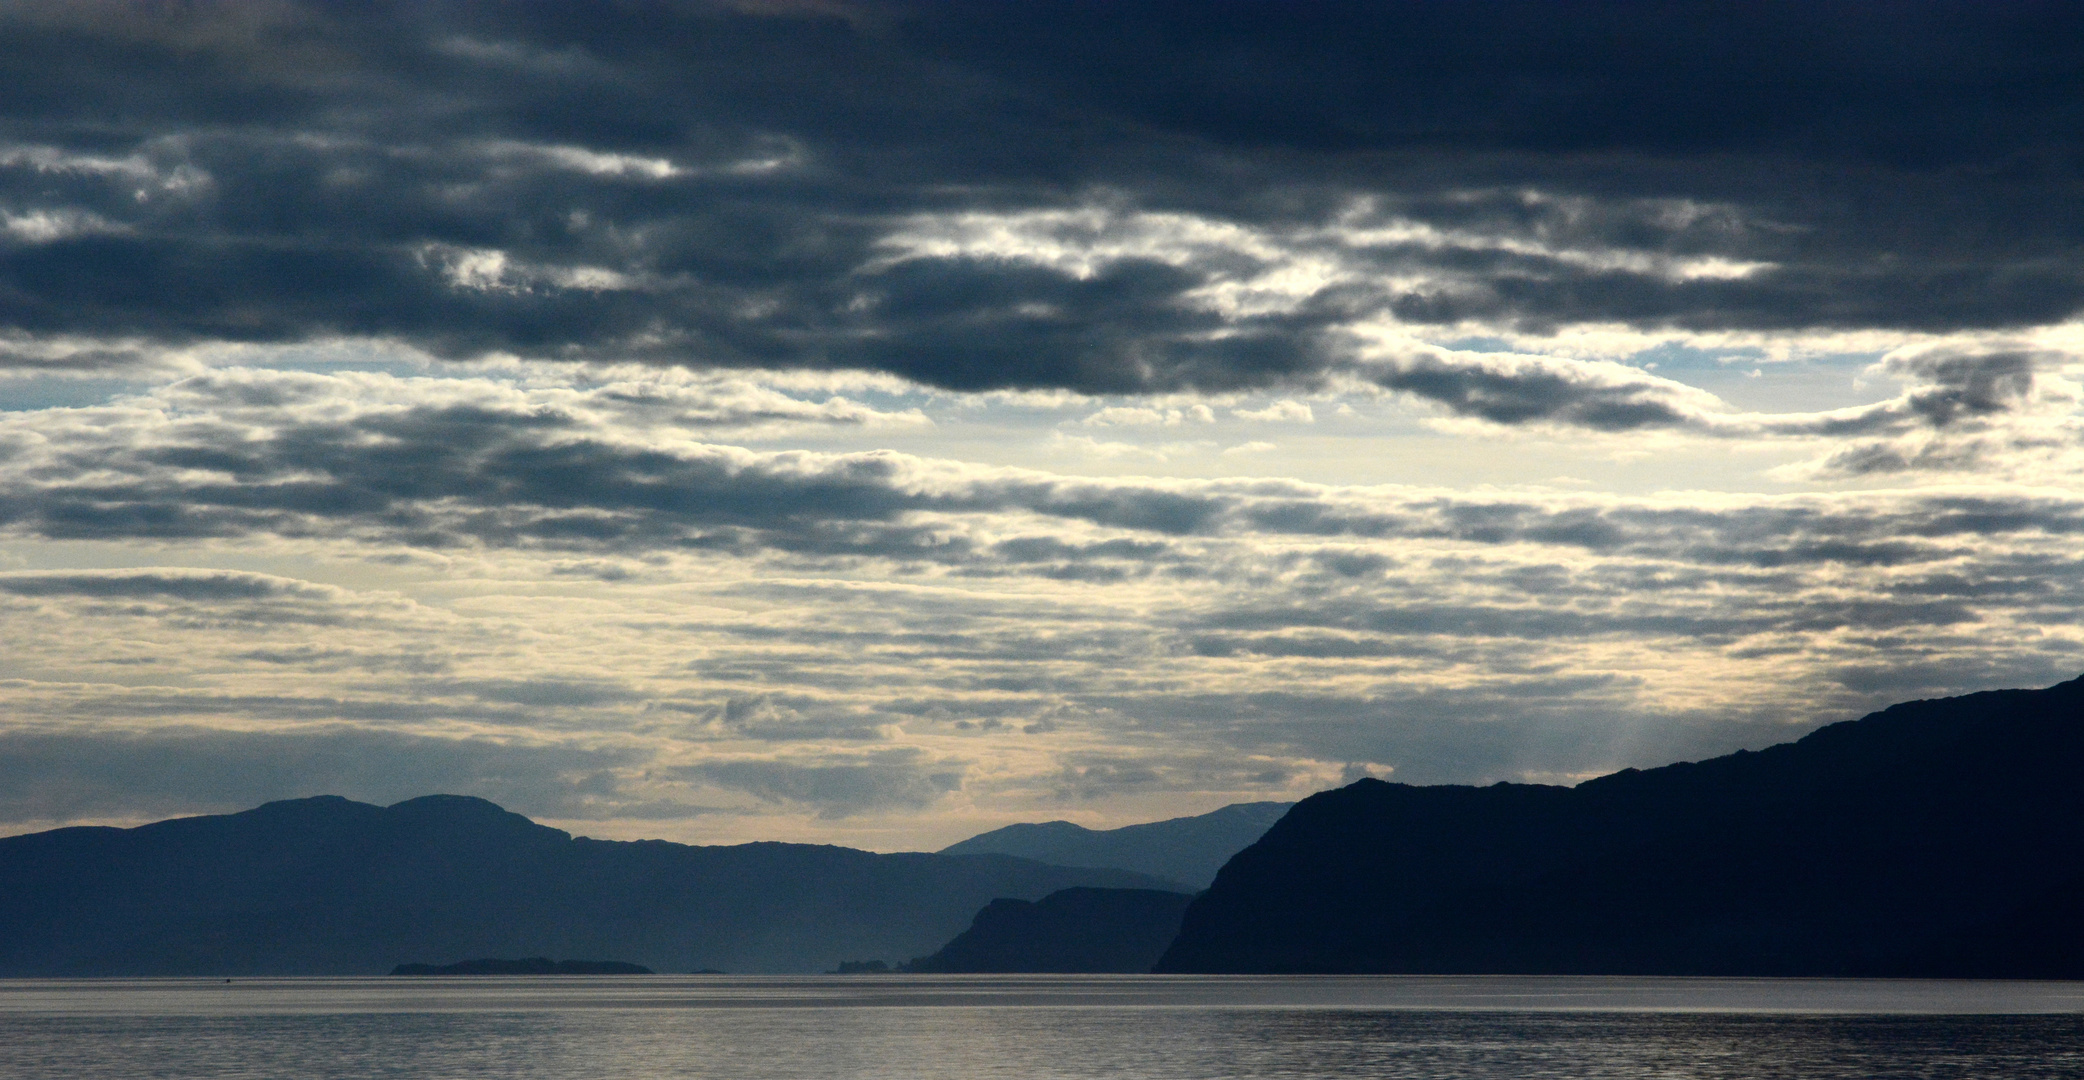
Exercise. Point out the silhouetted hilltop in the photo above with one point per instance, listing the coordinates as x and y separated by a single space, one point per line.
1940 838
1188 850
329 886
1071 930
532 965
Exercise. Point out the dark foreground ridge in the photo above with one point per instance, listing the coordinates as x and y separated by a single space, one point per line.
1072 930
325 886
1936 838
1188 850
532 965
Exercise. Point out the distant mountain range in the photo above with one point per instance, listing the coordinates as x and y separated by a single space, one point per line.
1187 850
1935 838
329 886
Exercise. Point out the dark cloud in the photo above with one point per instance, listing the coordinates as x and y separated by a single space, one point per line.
316 658
1551 392
190 598
1950 390
1315 646
1548 622
520 481
1764 535
1830 77
23 354
1969 386
1035 549
718 184
177 585
1868 459
387 704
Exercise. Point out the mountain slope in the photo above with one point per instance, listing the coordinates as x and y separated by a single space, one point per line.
1071 930
1941 838
329 886
1188 850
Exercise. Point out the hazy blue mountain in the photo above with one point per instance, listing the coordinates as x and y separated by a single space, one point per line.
1071 930
329 886
1935 838
1187 850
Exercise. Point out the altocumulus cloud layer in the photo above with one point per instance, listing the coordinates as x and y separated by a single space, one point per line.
874 421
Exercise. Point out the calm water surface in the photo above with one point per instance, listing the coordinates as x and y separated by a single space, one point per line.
931 1027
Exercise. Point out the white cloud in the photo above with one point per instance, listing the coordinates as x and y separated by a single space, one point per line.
1141 416
493 270
47 226
149 169
1286 411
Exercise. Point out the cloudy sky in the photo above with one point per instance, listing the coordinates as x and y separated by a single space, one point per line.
878 422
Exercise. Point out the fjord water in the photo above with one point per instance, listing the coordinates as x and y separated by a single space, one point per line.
931 1027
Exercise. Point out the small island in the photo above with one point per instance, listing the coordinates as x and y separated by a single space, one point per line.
532 965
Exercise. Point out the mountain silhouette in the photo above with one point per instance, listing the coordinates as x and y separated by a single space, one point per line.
329 886
1934 838
1071 930
532 965
1188 850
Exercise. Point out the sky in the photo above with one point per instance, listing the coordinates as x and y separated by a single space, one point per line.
874 423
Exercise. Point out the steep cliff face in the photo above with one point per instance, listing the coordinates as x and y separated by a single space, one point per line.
1933 838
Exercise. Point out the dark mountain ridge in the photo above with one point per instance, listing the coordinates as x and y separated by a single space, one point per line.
527 965
1188 850
329 886
1934 838
1079 929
